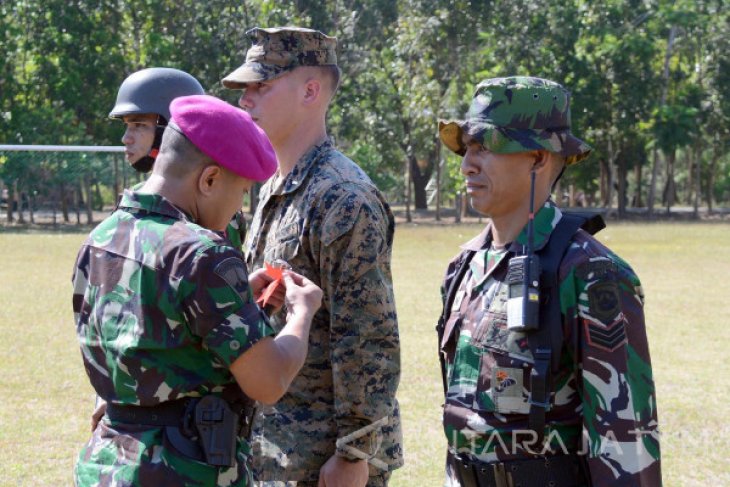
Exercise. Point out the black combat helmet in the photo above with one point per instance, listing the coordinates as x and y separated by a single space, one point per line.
152 90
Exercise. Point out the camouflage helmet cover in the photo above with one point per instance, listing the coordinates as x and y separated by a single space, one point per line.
517 114
281 49
152 90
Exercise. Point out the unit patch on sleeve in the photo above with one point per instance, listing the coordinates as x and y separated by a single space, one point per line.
233 271
604 302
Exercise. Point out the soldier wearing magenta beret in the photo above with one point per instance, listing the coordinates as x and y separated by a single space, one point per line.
170 335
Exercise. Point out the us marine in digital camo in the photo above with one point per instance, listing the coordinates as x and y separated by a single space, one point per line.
547 374
339 423
170 335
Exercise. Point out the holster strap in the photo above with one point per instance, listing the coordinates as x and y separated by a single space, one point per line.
552 471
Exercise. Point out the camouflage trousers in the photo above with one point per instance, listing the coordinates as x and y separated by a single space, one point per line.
380 480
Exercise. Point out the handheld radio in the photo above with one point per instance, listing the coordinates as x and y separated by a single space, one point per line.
523 279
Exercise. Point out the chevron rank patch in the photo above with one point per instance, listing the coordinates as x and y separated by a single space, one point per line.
608 338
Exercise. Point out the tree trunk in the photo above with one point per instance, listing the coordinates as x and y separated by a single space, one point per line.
98 201
464 204
88 197
606 182
18 202
31 201
689 185
11 198
408 188
64 201
117 189
124 176
665 88
711 174
622 176
420 181
670 187
652 183
54 207
77 202
637 177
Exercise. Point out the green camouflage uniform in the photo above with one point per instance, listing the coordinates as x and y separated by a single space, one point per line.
235 231
163 309
603 401
330 223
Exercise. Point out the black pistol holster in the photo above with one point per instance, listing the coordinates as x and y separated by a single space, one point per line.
203 429
217 428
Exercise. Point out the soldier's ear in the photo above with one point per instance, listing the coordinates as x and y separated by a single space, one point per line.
312 90
541 159
208 178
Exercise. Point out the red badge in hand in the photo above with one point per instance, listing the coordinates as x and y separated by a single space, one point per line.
275 272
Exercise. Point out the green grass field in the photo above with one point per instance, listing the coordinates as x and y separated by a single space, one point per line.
46 398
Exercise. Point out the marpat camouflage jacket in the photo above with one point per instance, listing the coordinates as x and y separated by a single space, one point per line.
331 224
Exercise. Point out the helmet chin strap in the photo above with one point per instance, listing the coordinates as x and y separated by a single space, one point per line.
144 164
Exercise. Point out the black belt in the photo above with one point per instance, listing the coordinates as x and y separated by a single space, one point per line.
168 413
177 413
552 471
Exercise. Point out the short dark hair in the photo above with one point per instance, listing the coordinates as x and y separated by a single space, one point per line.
178 155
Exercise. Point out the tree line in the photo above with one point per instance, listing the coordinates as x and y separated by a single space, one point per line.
650 83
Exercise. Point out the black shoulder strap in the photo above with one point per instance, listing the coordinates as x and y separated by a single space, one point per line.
546 342
461 269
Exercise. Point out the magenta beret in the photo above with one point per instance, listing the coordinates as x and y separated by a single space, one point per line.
226 134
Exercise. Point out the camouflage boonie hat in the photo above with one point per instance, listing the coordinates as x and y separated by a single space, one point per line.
280 49
517 114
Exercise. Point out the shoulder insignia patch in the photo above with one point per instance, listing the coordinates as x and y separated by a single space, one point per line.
607 338
604 302
233 271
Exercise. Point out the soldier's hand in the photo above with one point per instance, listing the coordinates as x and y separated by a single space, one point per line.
338 472
98 413
303 297
259 280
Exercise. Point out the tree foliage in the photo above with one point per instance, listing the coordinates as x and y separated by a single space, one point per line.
650 81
